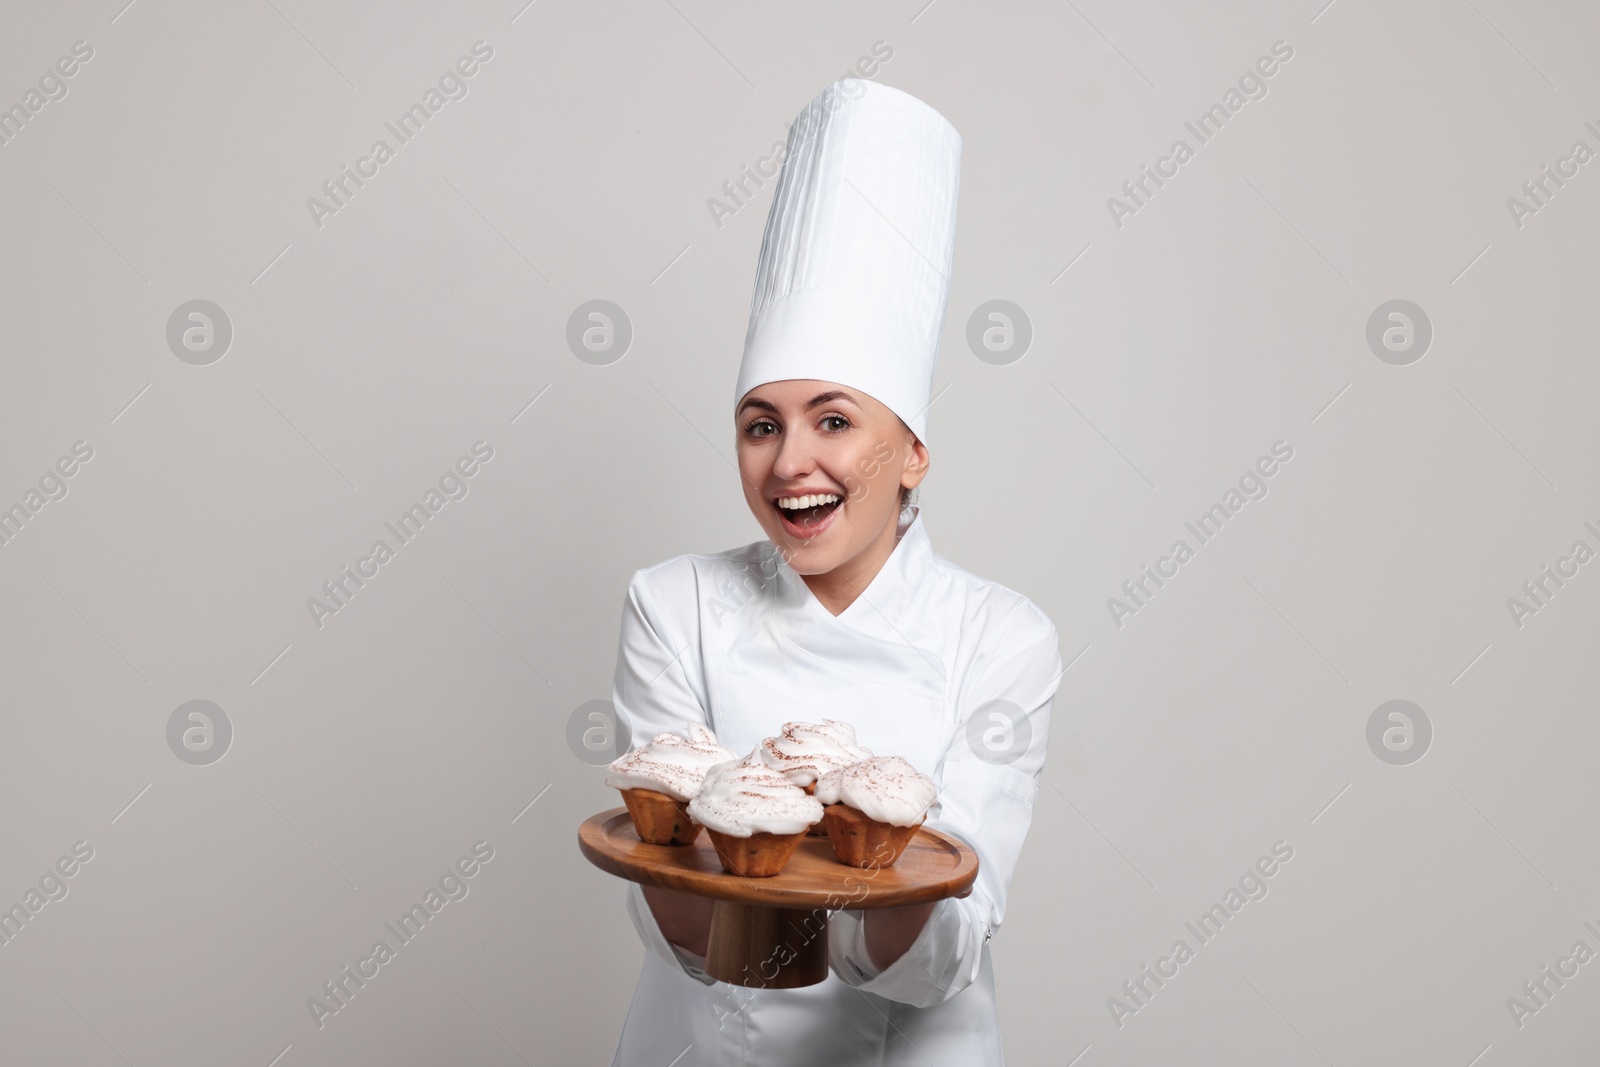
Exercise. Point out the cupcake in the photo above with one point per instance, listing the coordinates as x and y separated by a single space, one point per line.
659 779
754 816
804 752
872 809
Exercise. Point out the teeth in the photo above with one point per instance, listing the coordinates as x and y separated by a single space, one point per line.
792 503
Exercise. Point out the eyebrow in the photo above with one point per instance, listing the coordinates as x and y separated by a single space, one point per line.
819 399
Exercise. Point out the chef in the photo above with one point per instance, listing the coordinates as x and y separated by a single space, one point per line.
845 612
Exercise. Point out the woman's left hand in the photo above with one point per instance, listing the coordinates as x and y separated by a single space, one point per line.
684 919
891 931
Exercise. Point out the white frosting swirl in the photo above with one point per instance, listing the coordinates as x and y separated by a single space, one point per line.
805 751
744 797
886 789
670 764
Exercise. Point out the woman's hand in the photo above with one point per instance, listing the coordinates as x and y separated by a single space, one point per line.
684 919
891 931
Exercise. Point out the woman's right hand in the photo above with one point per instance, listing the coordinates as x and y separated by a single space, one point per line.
684 919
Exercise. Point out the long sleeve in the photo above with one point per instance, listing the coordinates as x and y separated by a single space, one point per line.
653 693
986 801
658 685
644 922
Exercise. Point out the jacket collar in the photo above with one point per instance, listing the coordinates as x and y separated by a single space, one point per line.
886 599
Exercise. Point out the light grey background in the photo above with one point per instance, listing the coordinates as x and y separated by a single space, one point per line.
430 311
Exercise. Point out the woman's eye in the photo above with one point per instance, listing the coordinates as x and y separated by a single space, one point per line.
836 422
761 428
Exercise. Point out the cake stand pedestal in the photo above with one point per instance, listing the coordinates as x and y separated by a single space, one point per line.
772 933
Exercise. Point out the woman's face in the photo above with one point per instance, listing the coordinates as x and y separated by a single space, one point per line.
802 439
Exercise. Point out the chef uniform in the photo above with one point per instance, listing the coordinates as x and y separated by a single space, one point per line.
954 673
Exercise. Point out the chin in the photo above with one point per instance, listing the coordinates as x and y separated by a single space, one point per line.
802 557
806 562
806 557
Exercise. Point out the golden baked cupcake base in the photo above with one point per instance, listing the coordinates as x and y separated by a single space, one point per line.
863 842
757 856
660 819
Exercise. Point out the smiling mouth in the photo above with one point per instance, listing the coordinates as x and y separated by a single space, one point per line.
808 516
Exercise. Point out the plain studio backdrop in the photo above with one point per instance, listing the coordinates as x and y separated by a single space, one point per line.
359 341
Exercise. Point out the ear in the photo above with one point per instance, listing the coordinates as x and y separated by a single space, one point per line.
917 462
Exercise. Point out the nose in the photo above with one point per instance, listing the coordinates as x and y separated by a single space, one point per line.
794 459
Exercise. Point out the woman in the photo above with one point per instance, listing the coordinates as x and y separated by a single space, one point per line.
845 612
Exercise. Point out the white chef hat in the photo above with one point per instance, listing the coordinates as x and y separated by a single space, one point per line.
854 271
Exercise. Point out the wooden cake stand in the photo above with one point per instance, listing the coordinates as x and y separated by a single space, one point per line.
773 932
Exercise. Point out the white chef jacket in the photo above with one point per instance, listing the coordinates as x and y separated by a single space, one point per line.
736 640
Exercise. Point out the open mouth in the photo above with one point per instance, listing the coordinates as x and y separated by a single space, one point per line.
807 516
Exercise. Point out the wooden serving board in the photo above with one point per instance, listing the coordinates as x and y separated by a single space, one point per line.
932 867
772 932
